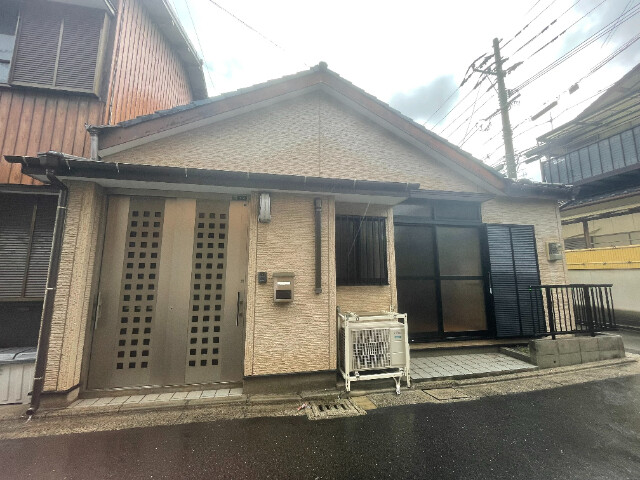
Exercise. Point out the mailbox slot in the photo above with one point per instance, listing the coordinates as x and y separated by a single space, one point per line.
283 287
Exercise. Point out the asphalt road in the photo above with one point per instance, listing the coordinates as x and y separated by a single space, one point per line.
590 431
631 339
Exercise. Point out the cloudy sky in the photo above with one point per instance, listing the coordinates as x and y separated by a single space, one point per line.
414 54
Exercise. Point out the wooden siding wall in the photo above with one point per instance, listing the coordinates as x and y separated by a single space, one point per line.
35 121
147 75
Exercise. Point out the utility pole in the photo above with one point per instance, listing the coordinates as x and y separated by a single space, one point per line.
507 133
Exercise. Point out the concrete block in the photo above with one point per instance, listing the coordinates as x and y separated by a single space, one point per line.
568 345
546 361
609 342
609 354
588 344
590 356
567 359
543 347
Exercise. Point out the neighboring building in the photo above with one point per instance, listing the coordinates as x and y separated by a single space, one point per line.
176 233
599 152
65 64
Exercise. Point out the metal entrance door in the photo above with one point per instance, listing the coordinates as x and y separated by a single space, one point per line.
171 299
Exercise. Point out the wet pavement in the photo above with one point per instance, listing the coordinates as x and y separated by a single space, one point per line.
582 430
631 339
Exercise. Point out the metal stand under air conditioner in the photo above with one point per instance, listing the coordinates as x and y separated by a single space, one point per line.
373 346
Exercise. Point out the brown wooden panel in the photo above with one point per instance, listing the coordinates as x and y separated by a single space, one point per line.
70 126
149 75
59 123
39 121
24 128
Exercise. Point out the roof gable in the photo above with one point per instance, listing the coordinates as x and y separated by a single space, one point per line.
148 128
313 135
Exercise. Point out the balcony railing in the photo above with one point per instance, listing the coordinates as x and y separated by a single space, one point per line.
571 309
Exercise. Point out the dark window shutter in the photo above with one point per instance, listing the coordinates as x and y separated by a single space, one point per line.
514 267
46 58
37 46
41 246
18 264
15 223
361 250
79 50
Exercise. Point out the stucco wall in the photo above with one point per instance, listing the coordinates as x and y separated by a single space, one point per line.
625 285
313 135
297 336
73 301
544 216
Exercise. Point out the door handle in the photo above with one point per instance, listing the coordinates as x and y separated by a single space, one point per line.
98 310
238 310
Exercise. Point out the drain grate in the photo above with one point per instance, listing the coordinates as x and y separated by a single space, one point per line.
319 410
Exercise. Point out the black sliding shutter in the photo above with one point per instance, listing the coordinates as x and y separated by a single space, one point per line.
26 233
514 267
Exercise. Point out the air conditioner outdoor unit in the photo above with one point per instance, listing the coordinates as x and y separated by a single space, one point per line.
373 346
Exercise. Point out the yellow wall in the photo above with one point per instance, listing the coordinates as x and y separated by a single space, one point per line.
611 258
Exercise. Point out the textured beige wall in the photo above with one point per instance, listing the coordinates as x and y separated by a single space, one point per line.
73 305
374 298
544 216
313 135
297 336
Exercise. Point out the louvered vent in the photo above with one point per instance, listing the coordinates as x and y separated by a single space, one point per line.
79 51
37 47
58 47
15 220
41 246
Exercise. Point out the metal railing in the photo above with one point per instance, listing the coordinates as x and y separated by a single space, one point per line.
565 309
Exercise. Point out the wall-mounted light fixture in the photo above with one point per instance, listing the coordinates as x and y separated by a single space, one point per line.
264 213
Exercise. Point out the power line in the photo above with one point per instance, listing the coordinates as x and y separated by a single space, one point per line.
581 46
565 30
530 22
606 40
456 106
467 75
264 37
547 27
186 2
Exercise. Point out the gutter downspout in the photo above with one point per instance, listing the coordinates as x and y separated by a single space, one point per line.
318 208
93 135
50 292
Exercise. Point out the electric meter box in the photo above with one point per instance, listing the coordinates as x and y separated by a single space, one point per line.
554 251
283 287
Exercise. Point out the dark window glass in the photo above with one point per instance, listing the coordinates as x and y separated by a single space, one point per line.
594 158
629 148
361 250
605 155
409 210
457 211
616 151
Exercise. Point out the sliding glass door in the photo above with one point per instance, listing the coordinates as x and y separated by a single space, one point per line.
441 280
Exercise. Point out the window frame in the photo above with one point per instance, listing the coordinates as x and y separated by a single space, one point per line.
356 244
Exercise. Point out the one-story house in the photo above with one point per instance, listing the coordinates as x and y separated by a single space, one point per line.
183 223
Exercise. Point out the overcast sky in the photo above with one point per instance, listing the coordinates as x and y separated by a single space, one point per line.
414 54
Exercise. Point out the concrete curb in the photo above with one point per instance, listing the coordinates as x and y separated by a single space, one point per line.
256 401
497 373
